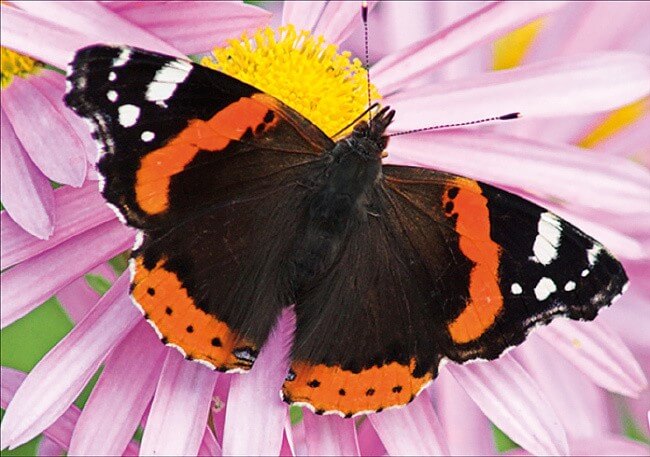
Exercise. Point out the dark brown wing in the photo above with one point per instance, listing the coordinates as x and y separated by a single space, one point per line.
211 170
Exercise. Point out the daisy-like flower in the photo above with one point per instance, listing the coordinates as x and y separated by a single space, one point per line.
139 370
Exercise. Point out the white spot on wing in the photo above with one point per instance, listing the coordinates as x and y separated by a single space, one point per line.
112 76
569 286
549 231
584 273
123 58
166 80
592 254
111 95
544 288
516 289
128 115
147 136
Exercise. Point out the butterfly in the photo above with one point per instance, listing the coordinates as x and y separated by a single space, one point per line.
244 208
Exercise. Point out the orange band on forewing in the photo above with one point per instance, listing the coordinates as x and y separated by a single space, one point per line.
473 226
334 389
167 305
156 168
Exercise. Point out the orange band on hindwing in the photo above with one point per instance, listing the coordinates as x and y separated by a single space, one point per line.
177 319
335 389
465 199
231 123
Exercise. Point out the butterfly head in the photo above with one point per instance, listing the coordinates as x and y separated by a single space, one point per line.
369 138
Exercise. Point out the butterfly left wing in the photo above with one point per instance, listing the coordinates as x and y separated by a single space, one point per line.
211 170
441 267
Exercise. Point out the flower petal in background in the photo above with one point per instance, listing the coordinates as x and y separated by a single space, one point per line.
26 193
180 408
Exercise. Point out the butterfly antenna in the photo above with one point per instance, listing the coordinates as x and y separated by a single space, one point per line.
364 17
367 111
505 117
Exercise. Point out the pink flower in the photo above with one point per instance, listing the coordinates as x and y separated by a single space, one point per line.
519 392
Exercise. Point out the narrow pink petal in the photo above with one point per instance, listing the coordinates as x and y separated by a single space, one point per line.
329 435
467 429
599 353
411 430
94 20
608 445
629 317
29 284
578 402
77 210
334 20
46 135
180 408
78 297
492 20
52 85
254 402
44 40
546 170
220 405
57 379
296 436
561 87
339 19
209 445
285 449
369 441
49 448
11 380
26 193
511 399
123 390
193 27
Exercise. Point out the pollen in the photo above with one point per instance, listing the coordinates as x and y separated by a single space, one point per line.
326 86
14 64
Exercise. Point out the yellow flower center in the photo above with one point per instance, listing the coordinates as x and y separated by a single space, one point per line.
327 87
14 64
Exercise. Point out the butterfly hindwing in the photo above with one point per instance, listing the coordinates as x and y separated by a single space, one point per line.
209 169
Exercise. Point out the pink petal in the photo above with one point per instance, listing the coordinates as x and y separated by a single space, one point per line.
46 135
209 445
369 441
220 405
193 27
123 390
58 433
561 87
29 284
607 445
547 170
49 448
513 402
46 41
329 435
334 20
579 404
26 192
78 297
180 408
629 317
254 402
97 22
58 378
77 210
599 353
411 430
467 429
492 20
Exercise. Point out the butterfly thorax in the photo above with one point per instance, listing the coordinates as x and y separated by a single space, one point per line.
342 200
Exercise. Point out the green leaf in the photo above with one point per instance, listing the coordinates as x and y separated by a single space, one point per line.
98 283
295 413
502 441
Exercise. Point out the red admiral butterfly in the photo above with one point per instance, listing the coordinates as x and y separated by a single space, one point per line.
245 207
